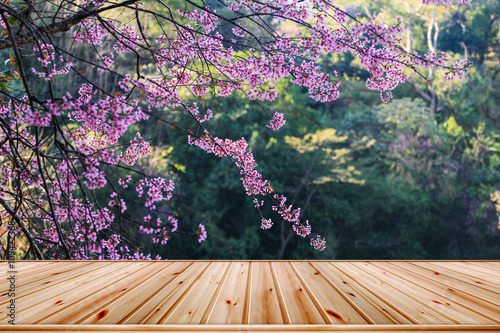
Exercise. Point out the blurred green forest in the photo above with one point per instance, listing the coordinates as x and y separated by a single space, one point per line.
413 179
417 178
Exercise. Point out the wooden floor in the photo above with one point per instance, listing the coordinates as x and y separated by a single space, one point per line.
354 296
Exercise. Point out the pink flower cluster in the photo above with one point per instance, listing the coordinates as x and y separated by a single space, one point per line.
159 190
205 19
48 62
2 23
195 112
91 31
237 150
318 243
128 39
92 149
302 229
138 148
202 233
108 61
277 122
95 177
266 224
89 129
161 231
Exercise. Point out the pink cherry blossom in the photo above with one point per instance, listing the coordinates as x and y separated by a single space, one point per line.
64 153
202 232
277 122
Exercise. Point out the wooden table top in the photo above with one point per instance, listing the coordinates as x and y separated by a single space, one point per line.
253 296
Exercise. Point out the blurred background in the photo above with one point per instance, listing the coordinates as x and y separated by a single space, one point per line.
417 178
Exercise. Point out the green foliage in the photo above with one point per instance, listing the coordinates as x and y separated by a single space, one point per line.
403 180
411 179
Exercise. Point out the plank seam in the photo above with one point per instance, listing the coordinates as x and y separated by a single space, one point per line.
146 301
344 296
320 309
459 276
434 292
215 297
186 292
438 281
89 295
122 295
390 304
425 304
281 299
248 296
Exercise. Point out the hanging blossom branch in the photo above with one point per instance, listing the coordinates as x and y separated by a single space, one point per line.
68 158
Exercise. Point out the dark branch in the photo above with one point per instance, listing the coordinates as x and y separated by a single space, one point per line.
56 27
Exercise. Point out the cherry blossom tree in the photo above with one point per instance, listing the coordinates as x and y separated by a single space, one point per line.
69 157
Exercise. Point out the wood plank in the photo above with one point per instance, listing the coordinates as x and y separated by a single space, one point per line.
54 277
395 295
120 307
164 302
264 304
252 328
314 298
495 266
332 301
19 274
104 293
43 272
378 312
79 292
476 273
365 295
482 269
25 265
229 308
100 298
299 305
279 293
452 283
58 282
451 308
29 267
36 300
459 276
24 278
21 293
193 306
455 296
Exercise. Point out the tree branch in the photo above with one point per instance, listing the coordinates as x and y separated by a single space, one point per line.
25 230
56 27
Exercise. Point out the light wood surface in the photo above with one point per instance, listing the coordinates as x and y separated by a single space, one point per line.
260 296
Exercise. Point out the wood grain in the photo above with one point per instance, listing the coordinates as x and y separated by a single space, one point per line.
254 296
